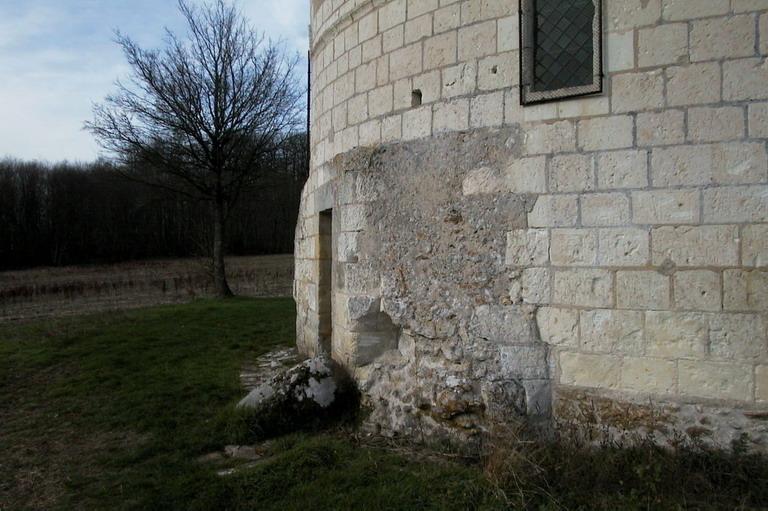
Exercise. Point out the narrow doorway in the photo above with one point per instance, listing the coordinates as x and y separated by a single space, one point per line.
325 284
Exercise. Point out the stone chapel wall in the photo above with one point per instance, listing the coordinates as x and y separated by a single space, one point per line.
600 259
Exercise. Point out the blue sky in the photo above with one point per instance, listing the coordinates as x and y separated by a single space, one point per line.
57 57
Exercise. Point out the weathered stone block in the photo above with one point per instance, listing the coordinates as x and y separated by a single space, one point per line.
523 362
418 7
440 50
761 388
676 334
392 39
583 287
754 245
745 79
572 173
642 290
715 124
665 207
526 175
459 80
622 169
677 10
557 326
745 290
715 380
554 211
649 375
736 204
380 101
527 247
620 51
536 287
500 324
738 336
711 245
718 38
612 331
661 128
633 92
417 123
353 218
547 138
508 36
405 61
487 110
391 14
583 107
417 28
574 247
727 163
447 18
451 116
583 370
477 40
697 290
623 247
603 133
758 118
693 84
498 71
604 209
624 14
661 45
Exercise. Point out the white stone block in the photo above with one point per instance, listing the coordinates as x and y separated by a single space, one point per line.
745 290
527 247
694 84
663 45
665 207
583 287
622 169
718 38
697 290
661 128
676 334
584 370
554 211
451 116
602 133
715 380
612 331
536 286
642 290
574 247
623 246
736 204
649 375
706 245
634 92
477 40
546 138
745 79
715 124
557 326
604 209
572 173
754 245
620 51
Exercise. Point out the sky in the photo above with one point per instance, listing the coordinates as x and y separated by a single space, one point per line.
58 58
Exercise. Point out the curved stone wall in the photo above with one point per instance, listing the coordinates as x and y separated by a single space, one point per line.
602 259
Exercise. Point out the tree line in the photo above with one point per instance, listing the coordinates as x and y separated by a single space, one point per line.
83 213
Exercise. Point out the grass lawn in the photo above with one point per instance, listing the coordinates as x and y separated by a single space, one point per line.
112 411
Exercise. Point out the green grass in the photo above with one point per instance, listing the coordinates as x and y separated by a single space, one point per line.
113 411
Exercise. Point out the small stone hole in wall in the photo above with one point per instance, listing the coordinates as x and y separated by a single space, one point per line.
494 70
416 98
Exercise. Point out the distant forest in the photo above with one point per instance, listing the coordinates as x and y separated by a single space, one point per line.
83 213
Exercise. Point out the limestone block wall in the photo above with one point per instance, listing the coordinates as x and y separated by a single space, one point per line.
622 254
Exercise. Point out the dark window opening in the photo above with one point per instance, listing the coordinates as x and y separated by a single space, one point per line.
325 281
416 98
561 49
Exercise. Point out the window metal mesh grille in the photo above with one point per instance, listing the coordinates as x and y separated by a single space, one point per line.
561 49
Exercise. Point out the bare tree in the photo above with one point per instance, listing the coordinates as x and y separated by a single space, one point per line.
202 114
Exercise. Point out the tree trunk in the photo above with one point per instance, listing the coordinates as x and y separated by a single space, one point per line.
221 287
